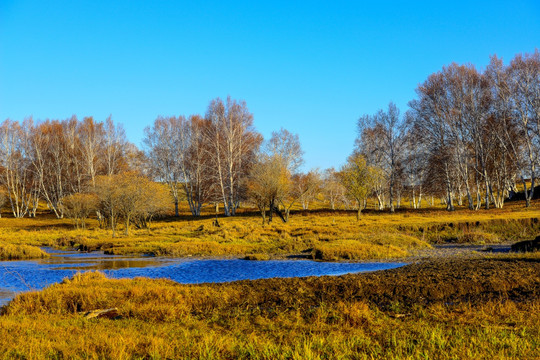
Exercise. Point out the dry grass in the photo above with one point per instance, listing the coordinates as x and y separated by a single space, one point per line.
20 252
322 234
351 250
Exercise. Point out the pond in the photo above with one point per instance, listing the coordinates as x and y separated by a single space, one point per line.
20 276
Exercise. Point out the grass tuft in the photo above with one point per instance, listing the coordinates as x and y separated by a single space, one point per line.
20 252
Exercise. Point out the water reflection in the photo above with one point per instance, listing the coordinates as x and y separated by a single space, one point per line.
74 260
108 264
18 276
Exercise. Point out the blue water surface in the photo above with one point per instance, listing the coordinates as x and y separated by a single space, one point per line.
20 276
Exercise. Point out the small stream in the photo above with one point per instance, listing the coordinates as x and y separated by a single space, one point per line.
27 275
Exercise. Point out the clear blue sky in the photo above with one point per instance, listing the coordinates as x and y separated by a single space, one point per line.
311 67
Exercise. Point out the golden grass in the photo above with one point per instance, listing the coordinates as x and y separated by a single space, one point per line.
464 309
352 250
257 257
20 252
323 234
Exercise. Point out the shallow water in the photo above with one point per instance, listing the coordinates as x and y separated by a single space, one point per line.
20 276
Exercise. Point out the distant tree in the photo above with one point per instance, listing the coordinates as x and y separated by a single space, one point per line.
127 196
357 178
332 189
16 176
301 184
109 193
79 206
200 187
269 182
138 197
302 187
380 185
114 148
158 200
308 187
287 146
430 112
131 197
167 145
523 81
381 141
468 92
414 163
469 124
177 156
92 139
57 161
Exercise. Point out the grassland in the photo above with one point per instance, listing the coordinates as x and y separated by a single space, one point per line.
486 307
482 308
320 234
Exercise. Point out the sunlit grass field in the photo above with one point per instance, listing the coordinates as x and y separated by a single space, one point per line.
320 233
488 307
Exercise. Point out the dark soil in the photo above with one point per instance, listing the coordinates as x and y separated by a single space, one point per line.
423 283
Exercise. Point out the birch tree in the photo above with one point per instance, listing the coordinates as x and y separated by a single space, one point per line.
415 162
114 146
92 141
381 141
430 111
269 182
201 187
287 146
232 144
55 163
308 186
167 145
16 175
332 188
177 153
524 86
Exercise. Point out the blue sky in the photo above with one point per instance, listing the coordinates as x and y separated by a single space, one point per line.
311 67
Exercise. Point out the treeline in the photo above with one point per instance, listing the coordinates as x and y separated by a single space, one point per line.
206 159
83 167
469 136
77 168
53 159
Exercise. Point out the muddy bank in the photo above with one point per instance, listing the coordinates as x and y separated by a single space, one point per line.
457 251
436 281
